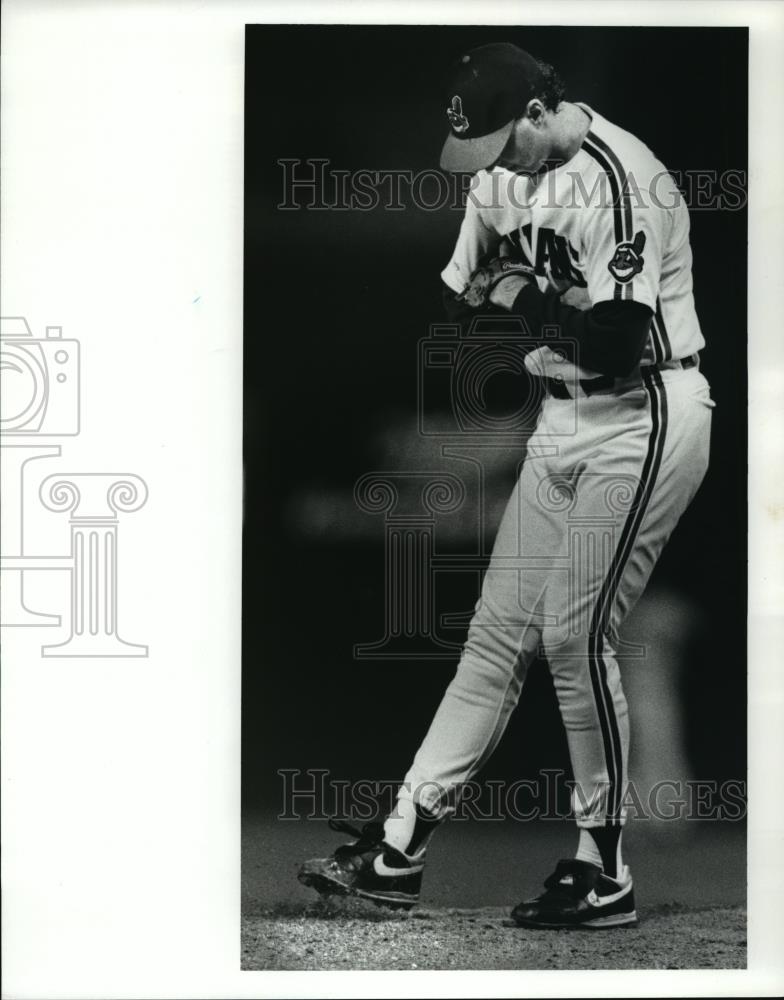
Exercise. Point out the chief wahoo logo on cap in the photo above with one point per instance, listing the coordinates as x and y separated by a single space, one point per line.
457 119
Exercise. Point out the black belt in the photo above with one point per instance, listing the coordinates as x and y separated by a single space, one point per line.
557 388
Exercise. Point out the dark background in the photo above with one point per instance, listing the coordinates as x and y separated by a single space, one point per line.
335 304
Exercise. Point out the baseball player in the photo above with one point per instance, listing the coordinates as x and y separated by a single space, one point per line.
574 227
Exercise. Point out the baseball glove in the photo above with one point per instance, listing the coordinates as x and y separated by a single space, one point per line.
486 277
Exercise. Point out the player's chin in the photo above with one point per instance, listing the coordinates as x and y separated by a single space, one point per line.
533 168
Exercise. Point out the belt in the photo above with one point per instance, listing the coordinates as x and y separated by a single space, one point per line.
557 388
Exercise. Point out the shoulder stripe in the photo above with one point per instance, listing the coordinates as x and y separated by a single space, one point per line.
622 179
601 159
608 160
615 187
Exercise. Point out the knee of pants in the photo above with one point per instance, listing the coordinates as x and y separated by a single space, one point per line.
489 679
495 648
579 676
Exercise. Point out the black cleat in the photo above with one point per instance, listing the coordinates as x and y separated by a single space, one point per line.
368 868
579 894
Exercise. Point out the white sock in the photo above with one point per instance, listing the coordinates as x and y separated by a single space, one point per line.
399 825
409 830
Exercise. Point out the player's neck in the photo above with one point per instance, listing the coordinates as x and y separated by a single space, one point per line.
570 126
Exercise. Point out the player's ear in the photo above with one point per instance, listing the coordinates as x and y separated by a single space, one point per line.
535 110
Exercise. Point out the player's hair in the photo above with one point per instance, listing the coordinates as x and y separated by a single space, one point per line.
552 89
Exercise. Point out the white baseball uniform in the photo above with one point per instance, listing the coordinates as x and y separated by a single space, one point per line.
607 473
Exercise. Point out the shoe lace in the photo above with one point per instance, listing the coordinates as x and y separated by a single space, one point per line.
368 838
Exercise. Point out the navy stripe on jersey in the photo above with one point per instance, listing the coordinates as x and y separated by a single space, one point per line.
657 341
602 615
622 179
665 337
619 214
606 157
604 163
662 350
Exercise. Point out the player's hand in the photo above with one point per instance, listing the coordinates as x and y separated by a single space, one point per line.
507 290
485 278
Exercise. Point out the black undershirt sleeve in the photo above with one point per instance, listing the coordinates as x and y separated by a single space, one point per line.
609 338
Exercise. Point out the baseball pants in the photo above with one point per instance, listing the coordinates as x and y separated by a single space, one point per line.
605 480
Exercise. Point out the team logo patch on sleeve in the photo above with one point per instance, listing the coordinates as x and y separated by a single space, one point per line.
628 259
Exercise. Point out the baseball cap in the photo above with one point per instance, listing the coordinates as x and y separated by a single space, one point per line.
489 89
